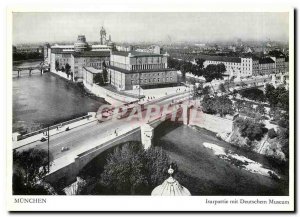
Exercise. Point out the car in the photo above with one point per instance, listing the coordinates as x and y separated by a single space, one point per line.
64 149
43 139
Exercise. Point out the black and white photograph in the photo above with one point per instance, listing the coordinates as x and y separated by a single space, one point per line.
152 104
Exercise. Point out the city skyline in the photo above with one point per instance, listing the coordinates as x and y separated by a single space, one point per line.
150 27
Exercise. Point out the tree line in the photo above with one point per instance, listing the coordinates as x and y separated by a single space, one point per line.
27 56
210 72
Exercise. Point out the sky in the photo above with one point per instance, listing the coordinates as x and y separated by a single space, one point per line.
149 27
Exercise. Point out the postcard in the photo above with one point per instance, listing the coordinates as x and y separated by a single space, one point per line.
150 110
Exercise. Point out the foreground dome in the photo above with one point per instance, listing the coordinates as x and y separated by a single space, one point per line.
170 187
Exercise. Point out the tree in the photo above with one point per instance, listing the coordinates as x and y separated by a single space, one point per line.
253 94
212 72
217 105
250 129
222 88
105 75
56 65
132 170
277 97
224 106
67 69
123 172
30 167
206 90
98 79
261 109
156 166
200 63
271 133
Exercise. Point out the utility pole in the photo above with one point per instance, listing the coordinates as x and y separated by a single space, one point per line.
48 150
139 85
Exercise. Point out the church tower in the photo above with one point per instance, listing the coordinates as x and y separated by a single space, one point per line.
102 36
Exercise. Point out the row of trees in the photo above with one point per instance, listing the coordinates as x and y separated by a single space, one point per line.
27 56
210 73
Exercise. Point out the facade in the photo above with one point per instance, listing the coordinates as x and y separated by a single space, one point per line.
266 66
130 70
280 63
235 66
89 74
78 55
286 64
95 59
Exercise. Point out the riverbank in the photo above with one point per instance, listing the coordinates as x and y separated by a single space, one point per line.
17 62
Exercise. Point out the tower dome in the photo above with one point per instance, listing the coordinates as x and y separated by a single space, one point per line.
170 187
80 45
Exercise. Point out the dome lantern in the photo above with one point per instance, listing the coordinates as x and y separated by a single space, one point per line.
170 187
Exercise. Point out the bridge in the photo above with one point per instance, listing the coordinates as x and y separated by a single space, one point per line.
40 67
92 138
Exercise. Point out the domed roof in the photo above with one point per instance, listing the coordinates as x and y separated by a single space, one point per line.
170 187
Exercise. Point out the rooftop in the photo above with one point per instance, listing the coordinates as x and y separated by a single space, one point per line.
92 54
134 53
220 58
266 60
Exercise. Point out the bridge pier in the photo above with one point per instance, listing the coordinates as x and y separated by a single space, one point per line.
186 114
146 135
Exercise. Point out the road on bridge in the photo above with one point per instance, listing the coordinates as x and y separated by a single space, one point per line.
88 134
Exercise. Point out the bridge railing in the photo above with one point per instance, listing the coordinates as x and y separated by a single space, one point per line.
53 127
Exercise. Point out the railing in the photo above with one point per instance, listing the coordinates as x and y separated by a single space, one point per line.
53 127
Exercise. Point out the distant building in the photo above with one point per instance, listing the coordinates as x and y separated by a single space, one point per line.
266 66
78 55
235 66
280 63
129 70
286 62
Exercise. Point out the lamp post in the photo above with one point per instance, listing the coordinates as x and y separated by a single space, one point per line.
48 150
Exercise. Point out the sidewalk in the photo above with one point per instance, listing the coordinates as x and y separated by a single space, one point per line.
71 156
52 132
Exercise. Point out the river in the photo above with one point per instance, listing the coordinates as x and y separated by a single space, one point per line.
203 173
42 100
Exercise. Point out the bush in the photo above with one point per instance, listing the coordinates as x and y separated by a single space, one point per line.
272 134
250 129
253 94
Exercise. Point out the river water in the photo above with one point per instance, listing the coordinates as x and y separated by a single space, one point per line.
203 173
42 100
